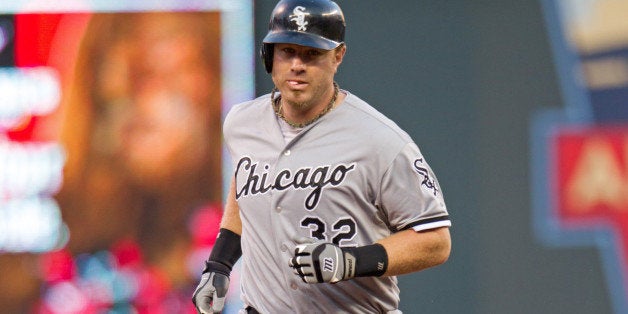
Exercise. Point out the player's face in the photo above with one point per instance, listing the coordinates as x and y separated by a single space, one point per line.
305 75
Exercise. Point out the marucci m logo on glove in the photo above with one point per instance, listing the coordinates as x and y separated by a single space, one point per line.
316 178
328 264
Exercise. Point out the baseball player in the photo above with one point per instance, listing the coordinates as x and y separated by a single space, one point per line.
330 200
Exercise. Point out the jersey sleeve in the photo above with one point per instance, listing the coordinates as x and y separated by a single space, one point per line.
234 124
410 194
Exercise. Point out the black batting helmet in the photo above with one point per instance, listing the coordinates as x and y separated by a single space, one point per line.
313 23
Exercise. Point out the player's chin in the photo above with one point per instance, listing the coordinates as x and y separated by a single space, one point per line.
295 95
297 98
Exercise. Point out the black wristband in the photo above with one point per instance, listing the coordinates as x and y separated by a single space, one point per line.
370 260
227 249
217 267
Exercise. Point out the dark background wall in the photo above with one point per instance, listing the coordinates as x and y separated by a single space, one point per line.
464 79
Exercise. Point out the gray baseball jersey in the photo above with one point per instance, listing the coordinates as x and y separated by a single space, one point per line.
351 178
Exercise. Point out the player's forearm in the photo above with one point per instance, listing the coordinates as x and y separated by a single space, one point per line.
410 251
231 214
401 253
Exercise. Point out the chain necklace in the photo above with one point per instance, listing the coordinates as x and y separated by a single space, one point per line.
279 112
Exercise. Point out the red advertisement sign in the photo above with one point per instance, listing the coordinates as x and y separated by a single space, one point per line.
591 184
592 175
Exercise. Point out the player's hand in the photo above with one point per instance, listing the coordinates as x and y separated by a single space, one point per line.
322 262
209 296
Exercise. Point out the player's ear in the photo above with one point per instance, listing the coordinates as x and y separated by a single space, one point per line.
339 54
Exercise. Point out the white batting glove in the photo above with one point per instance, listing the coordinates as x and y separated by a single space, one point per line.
322 262
209 296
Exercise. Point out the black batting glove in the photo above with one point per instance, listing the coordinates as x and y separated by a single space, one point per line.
209 296
322 262
327 262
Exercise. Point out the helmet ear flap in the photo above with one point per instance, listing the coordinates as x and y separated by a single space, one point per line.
266 52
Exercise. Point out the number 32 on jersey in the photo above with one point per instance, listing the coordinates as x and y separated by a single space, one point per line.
342 230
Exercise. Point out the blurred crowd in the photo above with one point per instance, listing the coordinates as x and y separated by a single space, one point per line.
139 121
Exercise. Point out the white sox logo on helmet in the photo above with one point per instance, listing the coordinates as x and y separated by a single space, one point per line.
315 178
299 18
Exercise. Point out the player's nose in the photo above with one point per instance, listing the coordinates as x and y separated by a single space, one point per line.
297 64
